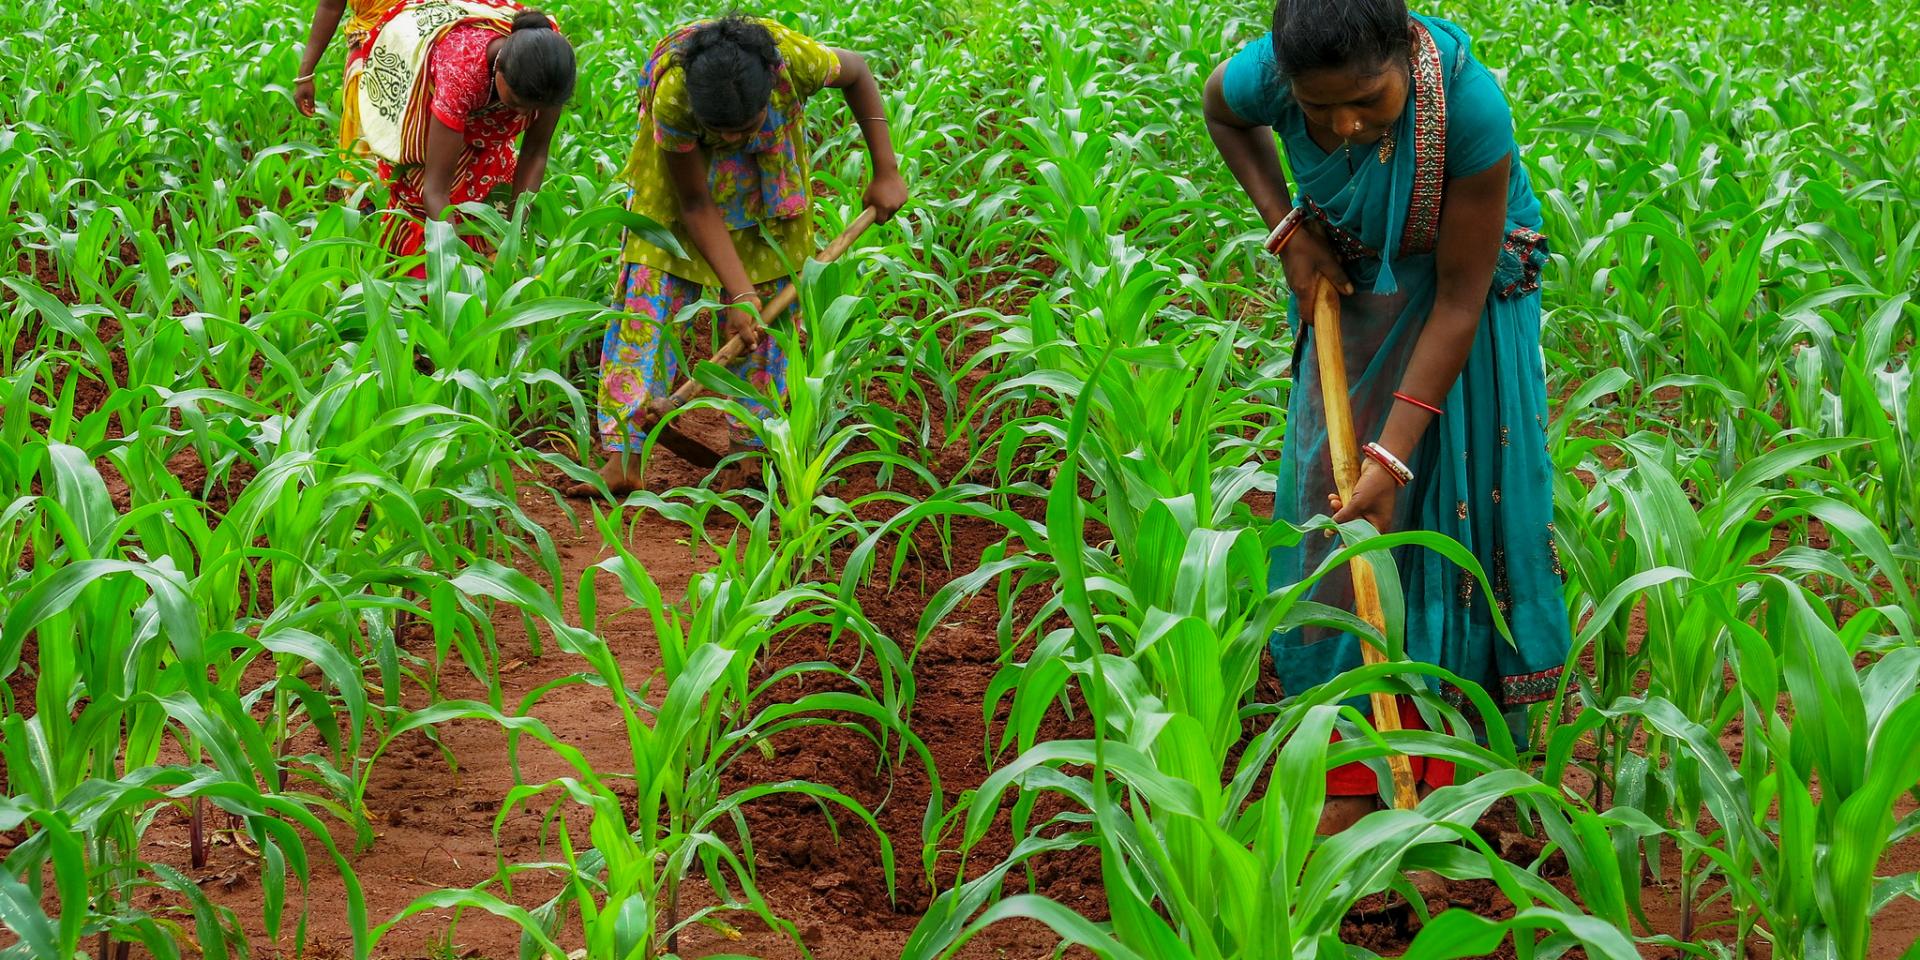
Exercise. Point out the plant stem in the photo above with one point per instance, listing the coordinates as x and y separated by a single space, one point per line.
196 839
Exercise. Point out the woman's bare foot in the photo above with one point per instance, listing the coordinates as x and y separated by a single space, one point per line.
744 472
621 474
1431 886
1339 813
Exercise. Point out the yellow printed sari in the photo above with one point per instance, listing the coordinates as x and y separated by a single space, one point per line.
393 88
362 17
761 187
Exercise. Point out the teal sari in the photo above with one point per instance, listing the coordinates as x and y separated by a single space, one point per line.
1482 470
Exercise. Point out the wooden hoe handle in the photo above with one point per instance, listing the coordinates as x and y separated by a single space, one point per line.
1345 450
781 301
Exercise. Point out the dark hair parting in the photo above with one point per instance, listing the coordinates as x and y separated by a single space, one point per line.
729 67
536 61
1313 35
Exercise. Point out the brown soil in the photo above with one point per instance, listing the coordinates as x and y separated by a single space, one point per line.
436 824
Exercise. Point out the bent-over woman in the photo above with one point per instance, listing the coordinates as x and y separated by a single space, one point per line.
721 160
447 87
1410 195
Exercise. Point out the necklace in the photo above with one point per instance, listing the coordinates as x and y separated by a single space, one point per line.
1387 145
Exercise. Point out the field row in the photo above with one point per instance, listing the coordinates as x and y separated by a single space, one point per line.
303 650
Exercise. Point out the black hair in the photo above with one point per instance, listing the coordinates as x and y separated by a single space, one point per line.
1313 35
536 61
729 66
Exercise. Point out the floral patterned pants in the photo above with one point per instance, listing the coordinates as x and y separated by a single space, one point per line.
638 361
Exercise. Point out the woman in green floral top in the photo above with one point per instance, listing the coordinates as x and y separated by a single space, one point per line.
721 160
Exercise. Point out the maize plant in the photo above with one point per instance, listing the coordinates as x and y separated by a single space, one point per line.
271 507
626 884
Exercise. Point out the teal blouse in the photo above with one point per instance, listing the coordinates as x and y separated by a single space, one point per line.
1479 122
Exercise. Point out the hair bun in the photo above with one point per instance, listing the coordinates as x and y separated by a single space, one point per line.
536 61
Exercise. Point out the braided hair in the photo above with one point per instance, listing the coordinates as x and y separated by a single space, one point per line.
729 67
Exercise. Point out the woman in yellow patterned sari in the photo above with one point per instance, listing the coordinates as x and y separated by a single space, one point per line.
721 160
361 17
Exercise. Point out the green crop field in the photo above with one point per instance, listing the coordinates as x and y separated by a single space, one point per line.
305 655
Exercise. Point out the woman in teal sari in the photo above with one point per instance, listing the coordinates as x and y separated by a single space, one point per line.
1411 197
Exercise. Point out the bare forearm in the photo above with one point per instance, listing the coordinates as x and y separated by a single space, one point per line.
1253 158
1471 223
326 22
438 199
529 174
712 239
689 174
863 99
1248 149
530 170
1438 357
444 146
436 186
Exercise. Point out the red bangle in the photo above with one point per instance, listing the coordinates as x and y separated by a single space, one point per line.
1399 471
1422 404
1285 229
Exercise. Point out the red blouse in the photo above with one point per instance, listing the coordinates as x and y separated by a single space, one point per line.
463 95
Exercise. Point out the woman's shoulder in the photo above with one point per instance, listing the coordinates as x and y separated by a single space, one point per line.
462 82
784 36
463 36
1479 120
1451 39
462 49
1464 72
666 96
811 64
795 46
787 39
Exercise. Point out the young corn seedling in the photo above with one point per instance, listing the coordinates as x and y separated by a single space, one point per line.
1191 867
1800 864
627 886
812 440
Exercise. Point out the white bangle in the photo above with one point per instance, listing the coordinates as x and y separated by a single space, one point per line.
1285 229
1384 457
305 78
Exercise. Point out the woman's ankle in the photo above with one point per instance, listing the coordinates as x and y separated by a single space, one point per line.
1339 813
621 472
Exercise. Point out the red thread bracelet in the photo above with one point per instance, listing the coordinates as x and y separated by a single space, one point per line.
1422 404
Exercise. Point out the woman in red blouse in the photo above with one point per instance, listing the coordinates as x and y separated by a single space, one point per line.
449 85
